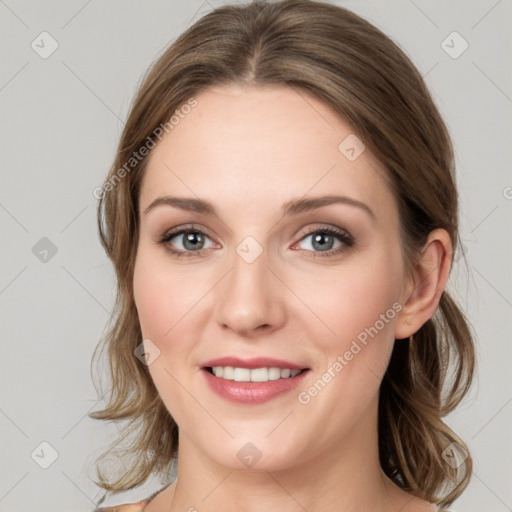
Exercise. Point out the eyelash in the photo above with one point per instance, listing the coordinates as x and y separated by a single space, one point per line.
345 238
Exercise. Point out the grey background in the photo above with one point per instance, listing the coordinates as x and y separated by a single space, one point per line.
61 118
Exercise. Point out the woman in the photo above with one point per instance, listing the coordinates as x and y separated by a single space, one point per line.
282 218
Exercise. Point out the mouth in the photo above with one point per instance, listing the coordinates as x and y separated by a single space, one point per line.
252 381
264 374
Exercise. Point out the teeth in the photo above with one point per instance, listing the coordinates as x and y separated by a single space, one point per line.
254 375
242 375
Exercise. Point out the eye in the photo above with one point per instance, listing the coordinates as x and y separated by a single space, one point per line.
323 242
190 240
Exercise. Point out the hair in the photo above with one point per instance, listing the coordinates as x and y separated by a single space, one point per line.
341 59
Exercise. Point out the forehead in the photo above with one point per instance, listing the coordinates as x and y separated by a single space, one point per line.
254 146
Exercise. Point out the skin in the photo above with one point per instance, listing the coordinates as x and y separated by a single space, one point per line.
248 151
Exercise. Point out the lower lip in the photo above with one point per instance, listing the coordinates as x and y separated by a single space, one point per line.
251 392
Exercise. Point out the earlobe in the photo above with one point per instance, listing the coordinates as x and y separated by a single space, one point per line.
429 281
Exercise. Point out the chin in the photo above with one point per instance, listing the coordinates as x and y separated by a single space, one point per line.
254 453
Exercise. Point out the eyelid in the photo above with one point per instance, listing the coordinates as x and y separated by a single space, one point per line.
318 226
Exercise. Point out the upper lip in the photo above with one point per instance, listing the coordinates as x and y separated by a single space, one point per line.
252 362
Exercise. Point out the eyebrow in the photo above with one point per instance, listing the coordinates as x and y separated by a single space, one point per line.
293 207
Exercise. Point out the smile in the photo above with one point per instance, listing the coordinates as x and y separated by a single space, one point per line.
254 374
252 386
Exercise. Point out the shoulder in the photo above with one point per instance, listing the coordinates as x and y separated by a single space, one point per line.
133 507
127 507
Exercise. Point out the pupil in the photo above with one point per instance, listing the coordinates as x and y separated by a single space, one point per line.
193 238
320 239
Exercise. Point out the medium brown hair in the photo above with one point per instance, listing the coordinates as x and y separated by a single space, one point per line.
336 56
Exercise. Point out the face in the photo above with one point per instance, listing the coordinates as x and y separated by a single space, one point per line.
265 281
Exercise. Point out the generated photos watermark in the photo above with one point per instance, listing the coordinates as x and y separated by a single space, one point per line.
361 340
143 151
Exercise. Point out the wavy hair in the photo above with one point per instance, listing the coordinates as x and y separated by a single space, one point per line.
346 62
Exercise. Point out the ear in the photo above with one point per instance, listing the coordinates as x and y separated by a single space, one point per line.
422 294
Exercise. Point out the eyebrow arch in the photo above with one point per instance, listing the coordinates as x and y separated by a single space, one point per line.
292 207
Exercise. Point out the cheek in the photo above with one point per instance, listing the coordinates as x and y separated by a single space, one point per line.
159 300
354 297
168 298
156 298
358 306
358 312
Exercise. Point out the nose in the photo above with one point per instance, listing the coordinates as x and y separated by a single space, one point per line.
251 298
